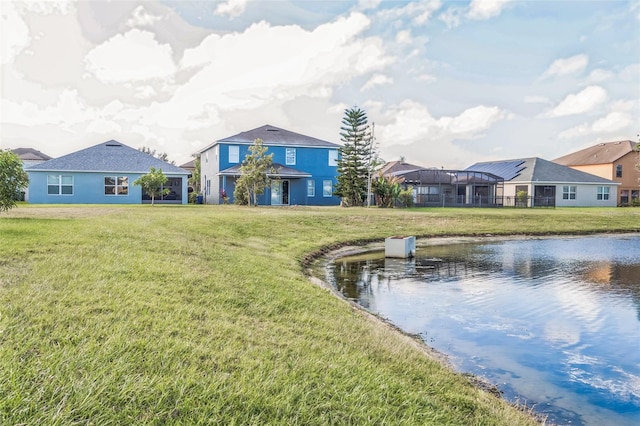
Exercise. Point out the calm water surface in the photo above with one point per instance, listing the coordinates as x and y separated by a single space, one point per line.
554 323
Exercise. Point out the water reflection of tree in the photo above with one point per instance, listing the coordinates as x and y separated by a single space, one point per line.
356 278
614 277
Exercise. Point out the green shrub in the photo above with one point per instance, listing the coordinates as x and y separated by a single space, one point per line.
405 198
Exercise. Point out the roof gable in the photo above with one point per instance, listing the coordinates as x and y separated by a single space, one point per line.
30 154
535 170
396 166
110 156
275 136
602 153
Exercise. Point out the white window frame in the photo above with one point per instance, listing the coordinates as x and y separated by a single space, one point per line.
327 184
569 192
290 156
60 184
117 186
311 188
333 157
602 193
234 154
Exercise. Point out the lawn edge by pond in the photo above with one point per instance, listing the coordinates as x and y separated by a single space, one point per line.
316 271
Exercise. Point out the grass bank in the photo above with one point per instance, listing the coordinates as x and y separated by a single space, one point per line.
199 314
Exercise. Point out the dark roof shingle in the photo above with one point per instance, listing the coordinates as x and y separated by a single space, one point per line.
30 154
110 156
535 170
275 136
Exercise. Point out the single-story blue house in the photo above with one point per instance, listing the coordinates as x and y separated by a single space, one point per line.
102 174
306 167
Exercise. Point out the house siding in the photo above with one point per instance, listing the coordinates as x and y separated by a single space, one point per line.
88 188
313 161
630 180
602 160
586 194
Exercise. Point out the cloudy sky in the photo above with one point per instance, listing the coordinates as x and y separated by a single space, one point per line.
447 83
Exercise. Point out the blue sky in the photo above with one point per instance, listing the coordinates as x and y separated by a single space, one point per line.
447 83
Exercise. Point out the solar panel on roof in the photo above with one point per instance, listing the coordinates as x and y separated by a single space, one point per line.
505 169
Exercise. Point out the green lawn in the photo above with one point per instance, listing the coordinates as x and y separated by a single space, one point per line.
203 315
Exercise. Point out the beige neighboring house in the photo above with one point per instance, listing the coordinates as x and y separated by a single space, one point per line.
29 157
616 161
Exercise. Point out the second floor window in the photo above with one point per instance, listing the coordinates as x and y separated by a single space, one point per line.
333 157
618 170
234 154
290 159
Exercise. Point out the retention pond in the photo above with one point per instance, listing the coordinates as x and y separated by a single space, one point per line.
552 322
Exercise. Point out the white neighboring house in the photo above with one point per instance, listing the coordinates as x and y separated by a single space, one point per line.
29 157
549 184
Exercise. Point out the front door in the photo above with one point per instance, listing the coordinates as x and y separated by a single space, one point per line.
279 192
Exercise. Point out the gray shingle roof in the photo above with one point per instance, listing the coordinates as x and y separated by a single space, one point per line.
30 154
536 170
274 136
110 156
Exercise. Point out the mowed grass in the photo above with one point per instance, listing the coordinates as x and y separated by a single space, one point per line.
203 315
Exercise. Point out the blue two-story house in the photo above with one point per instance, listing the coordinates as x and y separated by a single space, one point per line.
306 167
102 174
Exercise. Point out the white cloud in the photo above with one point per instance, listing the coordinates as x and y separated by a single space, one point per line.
619 119
68 110
418 12
145 92
403 37
408 129
631 73
410 122
286 62
14 33
144 131
376 80
368 4
581 102
232 8
534 99
572 65
575 132
624 105
474 120
485 9
426 78
598 76
135 55
452 16
141 18
612 122
103 126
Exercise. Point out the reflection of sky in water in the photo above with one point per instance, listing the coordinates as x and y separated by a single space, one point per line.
555 322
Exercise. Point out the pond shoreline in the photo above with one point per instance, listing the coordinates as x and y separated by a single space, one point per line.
316 265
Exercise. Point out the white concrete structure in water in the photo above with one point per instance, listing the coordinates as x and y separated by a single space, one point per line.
400 247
